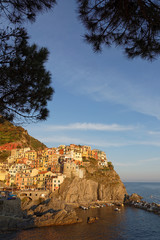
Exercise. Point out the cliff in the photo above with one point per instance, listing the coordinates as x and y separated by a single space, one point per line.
104 186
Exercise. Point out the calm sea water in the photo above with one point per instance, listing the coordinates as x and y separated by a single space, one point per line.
149 191
129 224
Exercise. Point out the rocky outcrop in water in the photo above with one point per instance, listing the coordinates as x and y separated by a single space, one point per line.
13 218
91 219
62 217
133 197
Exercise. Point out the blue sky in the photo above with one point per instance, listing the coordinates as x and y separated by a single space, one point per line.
101 99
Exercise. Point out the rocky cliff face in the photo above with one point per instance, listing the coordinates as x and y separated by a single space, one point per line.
96 186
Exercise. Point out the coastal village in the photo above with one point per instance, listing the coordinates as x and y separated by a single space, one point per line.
36 176
27 169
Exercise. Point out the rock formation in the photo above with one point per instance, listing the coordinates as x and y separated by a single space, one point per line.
13 218
104 187
134 197
92 219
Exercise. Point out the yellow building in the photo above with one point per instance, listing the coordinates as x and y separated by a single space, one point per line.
77 156
3 175
31 155
39 179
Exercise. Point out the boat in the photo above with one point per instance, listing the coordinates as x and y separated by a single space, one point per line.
117 209
84 208
11 196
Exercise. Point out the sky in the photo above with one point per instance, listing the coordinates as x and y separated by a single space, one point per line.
104 100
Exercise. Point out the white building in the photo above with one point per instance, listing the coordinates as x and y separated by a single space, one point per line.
19 167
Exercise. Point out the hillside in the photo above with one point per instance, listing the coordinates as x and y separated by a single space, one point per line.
10 134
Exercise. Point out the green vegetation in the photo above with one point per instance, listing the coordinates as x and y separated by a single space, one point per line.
81 166
4 155
92 161
36 144
84 159
105 169
110 165
10 133
101 174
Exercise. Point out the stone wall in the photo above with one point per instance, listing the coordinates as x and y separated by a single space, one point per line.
11 207
72 170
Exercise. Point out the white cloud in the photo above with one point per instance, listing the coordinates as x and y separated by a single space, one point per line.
68 140
60 140
117 88
137 163
88 126
154 132
148 143
120 164
155 159
95 142
133 96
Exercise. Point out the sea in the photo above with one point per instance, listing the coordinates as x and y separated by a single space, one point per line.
128 224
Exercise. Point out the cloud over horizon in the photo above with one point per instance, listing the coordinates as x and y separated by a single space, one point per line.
89 126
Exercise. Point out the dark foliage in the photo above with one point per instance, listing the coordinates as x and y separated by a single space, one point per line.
25 85
132 24
17 11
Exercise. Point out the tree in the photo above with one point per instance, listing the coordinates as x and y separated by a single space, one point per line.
132 24
17 11
25 84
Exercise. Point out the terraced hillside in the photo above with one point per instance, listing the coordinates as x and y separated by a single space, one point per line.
17 135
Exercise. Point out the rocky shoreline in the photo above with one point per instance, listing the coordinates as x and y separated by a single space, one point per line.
59 208
51 213
136 201
40 215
